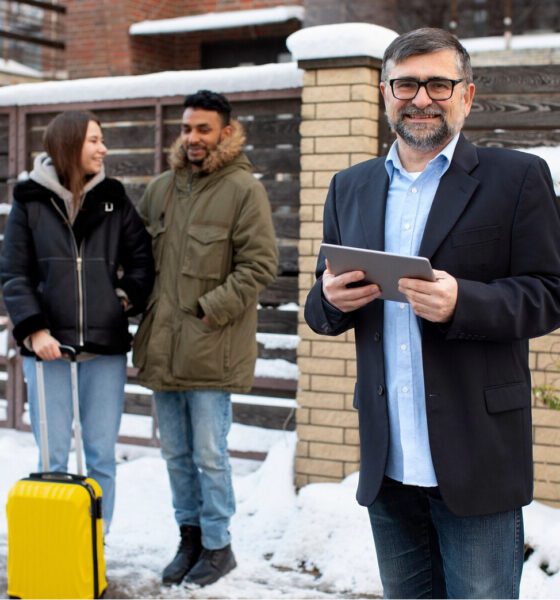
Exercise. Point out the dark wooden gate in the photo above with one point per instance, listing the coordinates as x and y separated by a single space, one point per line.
138 134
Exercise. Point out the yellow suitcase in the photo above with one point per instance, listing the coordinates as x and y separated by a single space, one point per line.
55 524
55 537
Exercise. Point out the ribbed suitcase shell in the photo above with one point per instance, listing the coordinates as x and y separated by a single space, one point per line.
55 538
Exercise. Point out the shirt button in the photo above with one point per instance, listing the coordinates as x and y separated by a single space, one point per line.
404 389
380 390
402 305
403 347
414 190
406 226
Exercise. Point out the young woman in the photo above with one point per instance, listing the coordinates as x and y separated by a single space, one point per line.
76 262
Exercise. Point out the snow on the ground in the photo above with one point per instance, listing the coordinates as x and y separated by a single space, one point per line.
312 544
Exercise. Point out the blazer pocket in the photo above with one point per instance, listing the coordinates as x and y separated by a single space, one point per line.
478 251
502 398
480 235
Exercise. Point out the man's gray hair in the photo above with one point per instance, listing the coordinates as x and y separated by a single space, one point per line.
425 41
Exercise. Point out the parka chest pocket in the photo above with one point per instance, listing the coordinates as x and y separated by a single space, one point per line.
205 252
157 231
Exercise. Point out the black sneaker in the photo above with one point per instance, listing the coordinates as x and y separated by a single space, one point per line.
211 566
187 556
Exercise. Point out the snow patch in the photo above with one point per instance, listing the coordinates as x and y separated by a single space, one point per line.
218 20
339 40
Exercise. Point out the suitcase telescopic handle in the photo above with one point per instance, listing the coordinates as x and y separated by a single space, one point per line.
71 353
66 350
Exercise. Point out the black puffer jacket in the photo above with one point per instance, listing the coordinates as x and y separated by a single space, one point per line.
63 276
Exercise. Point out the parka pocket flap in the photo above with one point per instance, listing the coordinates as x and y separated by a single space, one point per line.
207 234
507 397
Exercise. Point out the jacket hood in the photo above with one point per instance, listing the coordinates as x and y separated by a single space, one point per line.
226 151
45 174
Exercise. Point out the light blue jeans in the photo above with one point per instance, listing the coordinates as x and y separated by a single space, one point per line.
101 392
425 551
193 428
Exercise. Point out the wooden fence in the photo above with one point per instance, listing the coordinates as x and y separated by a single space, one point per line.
138 134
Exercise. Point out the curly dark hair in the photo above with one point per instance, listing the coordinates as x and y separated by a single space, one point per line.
208 100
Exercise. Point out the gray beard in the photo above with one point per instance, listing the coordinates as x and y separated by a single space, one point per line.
435 139
421 139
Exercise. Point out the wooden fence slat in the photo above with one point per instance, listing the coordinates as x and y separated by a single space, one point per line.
514 138
283 193
286 225
270 161
129 164
510 80
277 321
524 110
281 290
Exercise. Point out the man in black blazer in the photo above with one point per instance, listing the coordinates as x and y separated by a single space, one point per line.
443 385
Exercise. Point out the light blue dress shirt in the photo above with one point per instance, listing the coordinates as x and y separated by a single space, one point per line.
409 202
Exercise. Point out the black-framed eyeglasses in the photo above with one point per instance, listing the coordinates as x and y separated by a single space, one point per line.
436 88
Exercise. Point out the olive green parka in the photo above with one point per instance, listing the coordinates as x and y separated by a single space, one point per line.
215 250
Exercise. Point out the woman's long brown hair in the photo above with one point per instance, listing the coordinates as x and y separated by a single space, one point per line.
63 141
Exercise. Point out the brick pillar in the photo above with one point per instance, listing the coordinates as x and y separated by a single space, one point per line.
340 112
545 371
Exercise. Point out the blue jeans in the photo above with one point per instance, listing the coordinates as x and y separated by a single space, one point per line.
101 392
193 428
425 551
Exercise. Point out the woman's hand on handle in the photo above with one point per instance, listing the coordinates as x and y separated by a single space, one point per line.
45 346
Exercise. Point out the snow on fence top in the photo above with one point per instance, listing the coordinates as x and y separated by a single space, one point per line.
168 83
518 42
335 41
219 20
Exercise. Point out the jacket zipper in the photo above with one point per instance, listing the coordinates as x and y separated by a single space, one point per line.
79 270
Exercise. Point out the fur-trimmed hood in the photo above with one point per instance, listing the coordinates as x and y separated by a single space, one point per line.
226 151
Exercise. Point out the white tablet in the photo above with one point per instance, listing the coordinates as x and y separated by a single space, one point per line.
383 268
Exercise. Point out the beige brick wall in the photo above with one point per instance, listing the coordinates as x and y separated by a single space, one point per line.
340 113
545 369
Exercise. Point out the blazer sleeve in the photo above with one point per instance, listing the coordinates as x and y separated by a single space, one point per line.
526 303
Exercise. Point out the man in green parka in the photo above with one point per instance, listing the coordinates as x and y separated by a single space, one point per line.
215 250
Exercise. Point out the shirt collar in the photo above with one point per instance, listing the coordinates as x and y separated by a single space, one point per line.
441 160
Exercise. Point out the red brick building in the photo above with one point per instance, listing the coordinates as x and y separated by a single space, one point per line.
99 40
91 38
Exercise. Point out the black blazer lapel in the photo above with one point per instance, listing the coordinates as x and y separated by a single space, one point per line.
372 200
453 194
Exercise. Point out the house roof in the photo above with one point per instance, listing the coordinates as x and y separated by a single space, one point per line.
218 20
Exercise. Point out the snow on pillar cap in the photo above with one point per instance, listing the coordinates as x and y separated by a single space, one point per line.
340 40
